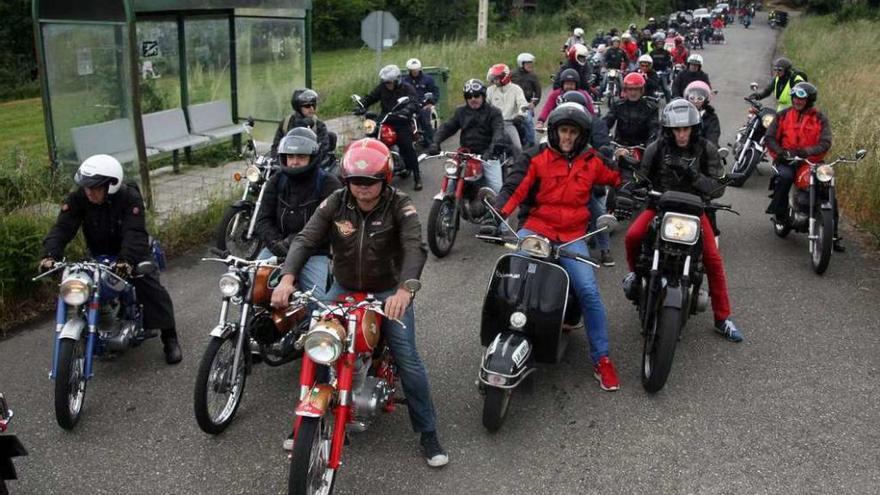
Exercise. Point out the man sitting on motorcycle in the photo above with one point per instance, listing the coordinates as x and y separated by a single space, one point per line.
798 131
634 119
481 131
615 57
682 160
660 56
653 83
578 61
559 181
631 48
111 214
376 238
509 98
423 84
305 108
693 73
526 79
784 79
387 92
289 200
679 52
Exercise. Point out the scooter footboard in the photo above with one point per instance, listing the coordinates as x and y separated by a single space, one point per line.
506 362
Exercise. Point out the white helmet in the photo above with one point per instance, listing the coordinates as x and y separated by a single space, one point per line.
389 73
579 32
646 59
626 36
695 59
414 64
98 170
524 58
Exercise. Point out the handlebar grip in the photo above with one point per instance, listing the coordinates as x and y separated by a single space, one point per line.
218 252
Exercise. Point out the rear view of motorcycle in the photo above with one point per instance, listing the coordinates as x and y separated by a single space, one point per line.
10 447
749 150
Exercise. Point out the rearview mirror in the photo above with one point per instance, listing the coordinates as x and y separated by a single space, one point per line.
608 221
861 154
724 152
753 86
356 98
145 268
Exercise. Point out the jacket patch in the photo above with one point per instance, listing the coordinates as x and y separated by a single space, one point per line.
135 211
409 210
345 228
65 207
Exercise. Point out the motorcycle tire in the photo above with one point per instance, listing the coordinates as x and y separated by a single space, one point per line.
70 382
234 242
748 166
309 473
659 350
821 255
442 226
214 422
496 403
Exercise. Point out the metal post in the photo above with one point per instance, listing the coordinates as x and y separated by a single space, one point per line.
184 77
137 123
482 22
379 43
308 47
233 83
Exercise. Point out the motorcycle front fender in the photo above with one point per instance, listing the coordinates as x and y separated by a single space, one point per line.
72 329
317 402
222 331
243 204
505 363
673 297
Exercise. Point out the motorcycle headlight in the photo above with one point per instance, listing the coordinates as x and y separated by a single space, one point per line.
369 126
684 229
451 167
253 174
824 173
325 342
75 289
536 246
612 73
767 120
518 320
230 285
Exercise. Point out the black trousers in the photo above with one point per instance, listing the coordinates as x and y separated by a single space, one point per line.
405 145
781 188
157 306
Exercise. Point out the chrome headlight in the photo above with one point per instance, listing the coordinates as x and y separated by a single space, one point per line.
369 126
536 246
253 174
451 167
325 341
824 173
76 288
684 229
230 284
767 120
517 320
612 73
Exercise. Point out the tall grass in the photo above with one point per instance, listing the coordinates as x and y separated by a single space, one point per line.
843 60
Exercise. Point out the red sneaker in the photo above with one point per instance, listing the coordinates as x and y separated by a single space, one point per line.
604 372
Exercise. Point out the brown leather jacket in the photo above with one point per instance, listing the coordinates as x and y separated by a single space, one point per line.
372 252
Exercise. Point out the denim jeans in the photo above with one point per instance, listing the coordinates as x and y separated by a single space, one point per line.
413 376
530 127
583 281
493 175
313 274
512 137
597 209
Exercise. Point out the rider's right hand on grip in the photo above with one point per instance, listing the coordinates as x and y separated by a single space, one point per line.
46 264
359 111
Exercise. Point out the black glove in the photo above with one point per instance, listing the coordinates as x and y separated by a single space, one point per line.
433 149
519 120
121 269
46 264
280 247
359 111
753 96
786 156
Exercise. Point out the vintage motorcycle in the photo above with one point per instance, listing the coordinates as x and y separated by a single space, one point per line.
348 374
248 331
813 207
461 196
10 447
613 86
749 149
383 131
97 314
617 204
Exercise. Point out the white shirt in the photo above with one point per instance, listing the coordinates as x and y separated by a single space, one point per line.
508 98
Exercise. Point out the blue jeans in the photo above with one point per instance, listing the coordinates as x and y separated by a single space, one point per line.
583 281
530 127
413 376
313 274
597 209
493 175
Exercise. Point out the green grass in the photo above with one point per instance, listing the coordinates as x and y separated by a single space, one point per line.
22 129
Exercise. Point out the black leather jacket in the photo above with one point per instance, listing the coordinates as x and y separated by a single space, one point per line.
637 121
711 125
693 170
584 71
388 99
529 83
482 130
662 59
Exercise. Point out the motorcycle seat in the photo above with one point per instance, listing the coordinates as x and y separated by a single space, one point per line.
681 202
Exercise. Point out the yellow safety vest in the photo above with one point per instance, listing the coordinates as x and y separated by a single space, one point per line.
784 100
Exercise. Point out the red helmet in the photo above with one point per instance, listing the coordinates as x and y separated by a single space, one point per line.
499 73
367 157
578 53
634 79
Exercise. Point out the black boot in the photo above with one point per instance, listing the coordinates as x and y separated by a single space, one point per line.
171 347
417 181
838 246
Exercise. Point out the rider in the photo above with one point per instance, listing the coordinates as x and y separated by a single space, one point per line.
376 238
693 73
577 36
559 180
599 39
387 92
653 82
304 102
615 57
784 79
660 55
290 199
509 98
681 160
798 131
111 214
569 80
631 48
679 52
481 129
526 78
579 61
635 117
423 83
700 94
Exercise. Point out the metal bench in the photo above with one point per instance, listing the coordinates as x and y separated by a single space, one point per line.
114 138
213 120
167 131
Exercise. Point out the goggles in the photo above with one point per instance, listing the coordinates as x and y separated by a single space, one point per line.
308 105
695 98
799 93
472 87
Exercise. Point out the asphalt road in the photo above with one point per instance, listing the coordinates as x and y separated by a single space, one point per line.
793 409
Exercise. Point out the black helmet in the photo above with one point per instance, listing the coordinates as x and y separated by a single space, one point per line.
570 75
782 64
805 90
571 114
299 141
574 97
474 87
302 97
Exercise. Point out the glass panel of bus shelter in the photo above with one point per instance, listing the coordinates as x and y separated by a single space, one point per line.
158 64
207 59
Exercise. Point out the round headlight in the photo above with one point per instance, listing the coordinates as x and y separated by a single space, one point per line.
518 320
369 126
451 167
230 284
75 289
536 246
824 173
253 174
767 120
324 342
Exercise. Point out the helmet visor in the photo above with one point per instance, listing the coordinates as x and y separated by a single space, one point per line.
91 181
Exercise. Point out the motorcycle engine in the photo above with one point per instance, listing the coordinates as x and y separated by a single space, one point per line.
263 328
368 393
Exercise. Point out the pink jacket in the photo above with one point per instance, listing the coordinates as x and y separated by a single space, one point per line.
552 98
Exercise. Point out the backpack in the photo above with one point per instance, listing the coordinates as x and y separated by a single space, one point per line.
797 72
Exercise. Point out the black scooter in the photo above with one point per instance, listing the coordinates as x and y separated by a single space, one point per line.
10 447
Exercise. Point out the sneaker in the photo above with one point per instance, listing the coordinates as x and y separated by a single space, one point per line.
434 454
288 443
728 330
604 372
629 286
605 257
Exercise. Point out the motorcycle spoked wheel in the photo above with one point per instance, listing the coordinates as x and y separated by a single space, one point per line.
821 255
219 389
442 226
496 403
659 349
233 240
309 473
747 166
70 382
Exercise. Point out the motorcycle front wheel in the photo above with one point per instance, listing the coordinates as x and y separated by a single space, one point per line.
495 407
309 472
746 166
821 255
219 388
70 382
659 350
232 233
442 226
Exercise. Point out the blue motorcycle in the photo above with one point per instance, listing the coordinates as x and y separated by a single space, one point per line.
97 314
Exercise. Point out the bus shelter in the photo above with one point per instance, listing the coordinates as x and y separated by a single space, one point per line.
141 79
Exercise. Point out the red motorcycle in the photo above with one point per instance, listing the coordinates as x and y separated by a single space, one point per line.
348 374
383 131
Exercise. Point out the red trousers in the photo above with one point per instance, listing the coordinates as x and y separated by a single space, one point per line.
711 259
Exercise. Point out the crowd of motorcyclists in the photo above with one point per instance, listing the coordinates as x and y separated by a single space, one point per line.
353 230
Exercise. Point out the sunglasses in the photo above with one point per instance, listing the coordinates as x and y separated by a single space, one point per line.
364 181
472 96
308 105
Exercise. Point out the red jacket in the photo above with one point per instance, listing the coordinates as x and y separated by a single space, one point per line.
679 54
806 134
631 49
561 193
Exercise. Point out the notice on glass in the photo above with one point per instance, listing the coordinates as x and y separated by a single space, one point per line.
84 64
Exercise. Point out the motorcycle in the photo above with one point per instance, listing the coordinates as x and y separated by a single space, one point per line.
97 314
236 230
10 447
614 86
260 333
778 18
693 40
461 196
717 36
383 131
621 205
749 149
526 303
348 374
812 207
